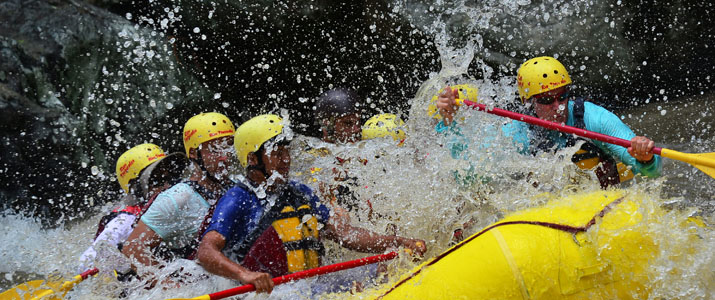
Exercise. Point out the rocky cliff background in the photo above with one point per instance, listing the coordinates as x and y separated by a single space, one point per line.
82 81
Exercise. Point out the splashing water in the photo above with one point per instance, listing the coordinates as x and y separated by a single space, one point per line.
419 190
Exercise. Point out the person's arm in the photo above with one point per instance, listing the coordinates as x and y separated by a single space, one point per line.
140 246
114 233
600 120
339 230
214 261
362 240
156 225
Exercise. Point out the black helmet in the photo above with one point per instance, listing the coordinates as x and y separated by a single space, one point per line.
337 102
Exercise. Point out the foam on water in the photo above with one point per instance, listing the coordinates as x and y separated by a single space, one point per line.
412 189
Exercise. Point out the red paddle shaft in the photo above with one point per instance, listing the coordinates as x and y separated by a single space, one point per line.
555 126
307 273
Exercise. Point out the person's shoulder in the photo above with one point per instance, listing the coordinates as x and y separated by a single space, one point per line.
238 190
512 127
595 112
173 191
239 193
180 187
301 187
181 193
593 107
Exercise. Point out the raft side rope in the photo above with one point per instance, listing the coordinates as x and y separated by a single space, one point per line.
562 227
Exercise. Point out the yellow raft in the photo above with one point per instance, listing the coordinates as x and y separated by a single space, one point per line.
592 246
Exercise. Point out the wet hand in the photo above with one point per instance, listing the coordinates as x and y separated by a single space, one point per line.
641 148
447 105
415 246
262 281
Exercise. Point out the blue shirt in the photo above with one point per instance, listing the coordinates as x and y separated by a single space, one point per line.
239 211
596 119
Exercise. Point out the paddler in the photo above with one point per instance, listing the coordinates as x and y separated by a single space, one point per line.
142 172
175 220
270 225
545 89
339 116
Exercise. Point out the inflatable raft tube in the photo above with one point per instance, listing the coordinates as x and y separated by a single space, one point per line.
590 246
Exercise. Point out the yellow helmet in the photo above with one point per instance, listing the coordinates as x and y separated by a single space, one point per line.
466 92
383 125
539 75
131 163
205 127
251 135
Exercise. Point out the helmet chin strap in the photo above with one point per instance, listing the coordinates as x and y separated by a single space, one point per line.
260 166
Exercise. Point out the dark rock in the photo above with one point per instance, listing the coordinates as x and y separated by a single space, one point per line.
621 52
78 86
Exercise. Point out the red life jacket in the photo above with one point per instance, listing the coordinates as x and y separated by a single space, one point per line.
136 210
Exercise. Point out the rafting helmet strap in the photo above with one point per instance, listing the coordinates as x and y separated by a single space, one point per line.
260 165
590 156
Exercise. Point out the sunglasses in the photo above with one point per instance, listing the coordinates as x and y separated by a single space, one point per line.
549 99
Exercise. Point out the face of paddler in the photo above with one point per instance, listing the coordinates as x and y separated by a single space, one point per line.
346 129
276 158
552 105
215 155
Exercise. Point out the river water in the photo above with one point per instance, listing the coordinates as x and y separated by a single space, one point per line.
413 192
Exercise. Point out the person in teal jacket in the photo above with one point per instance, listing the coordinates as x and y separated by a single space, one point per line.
544 86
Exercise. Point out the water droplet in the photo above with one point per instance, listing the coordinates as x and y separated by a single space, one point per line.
197 30
94 170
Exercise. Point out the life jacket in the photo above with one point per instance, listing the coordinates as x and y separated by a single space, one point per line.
286 239
136 210
589 156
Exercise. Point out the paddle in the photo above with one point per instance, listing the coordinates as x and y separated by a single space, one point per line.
703 161
39 289
297 275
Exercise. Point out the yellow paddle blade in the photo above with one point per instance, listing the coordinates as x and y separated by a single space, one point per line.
703 161
31 290
40 290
